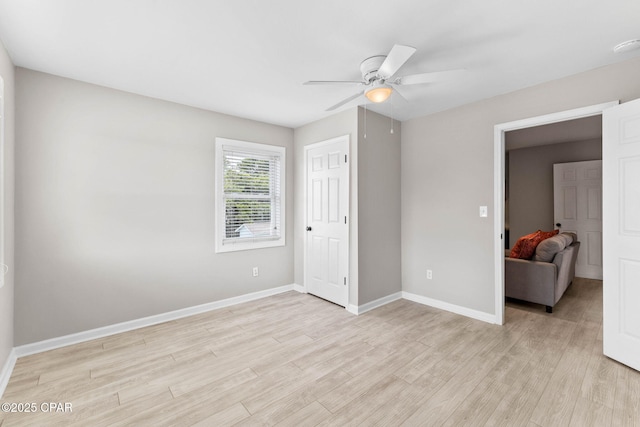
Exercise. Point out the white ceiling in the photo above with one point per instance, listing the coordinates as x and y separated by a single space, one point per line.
555 133
249 58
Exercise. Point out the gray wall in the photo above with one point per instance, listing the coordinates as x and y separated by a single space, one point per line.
114 202
531 183
115 208
7 71
447 172
375 200
378 207
343 123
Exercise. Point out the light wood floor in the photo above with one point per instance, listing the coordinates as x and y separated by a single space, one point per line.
295 360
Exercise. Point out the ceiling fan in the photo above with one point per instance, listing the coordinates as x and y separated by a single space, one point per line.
378 76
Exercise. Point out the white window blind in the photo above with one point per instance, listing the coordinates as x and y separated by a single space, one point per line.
251 195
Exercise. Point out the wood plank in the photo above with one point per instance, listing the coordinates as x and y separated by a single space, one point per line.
291 403
226 417
588 413
295 359
600 378
557 402
626 409
311 415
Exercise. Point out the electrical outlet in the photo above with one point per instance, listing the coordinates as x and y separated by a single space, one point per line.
483 212
429 274
255 271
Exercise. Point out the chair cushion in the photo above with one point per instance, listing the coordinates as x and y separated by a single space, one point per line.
548 248
571 237
526 245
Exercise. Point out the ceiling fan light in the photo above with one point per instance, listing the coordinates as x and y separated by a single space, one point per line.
379 93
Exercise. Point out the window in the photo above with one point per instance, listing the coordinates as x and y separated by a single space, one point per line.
250 195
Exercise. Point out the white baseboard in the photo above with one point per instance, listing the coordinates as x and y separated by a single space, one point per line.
53 343
464 311
7 369
360 309
299 288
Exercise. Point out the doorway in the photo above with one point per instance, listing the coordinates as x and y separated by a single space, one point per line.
499 184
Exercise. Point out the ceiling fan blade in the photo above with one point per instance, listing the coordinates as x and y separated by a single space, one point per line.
332 82
416 79
395 59
398 94
344 101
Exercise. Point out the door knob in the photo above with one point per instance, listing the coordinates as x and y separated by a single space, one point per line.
308 228
558 224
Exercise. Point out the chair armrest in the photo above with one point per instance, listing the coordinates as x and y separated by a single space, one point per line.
532 281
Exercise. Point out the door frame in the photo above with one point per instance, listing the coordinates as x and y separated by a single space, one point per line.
4 269
499 179
307 148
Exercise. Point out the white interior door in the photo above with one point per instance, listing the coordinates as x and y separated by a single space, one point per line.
577 194
327 238
621 217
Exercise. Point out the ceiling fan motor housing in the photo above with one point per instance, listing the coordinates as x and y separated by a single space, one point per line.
370 66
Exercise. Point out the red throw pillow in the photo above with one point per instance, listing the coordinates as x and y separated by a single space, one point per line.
525 247
547 234
516 251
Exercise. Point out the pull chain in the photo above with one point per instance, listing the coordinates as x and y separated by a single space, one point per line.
391 115
391 119
365 121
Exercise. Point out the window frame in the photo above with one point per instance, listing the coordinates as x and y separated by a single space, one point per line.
223 244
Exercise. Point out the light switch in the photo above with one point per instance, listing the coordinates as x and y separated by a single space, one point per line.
483 211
